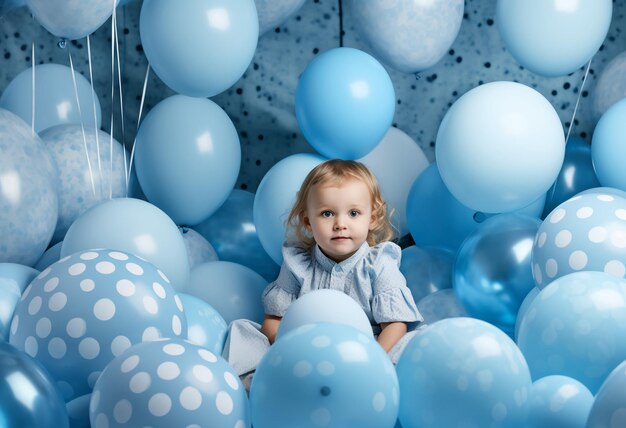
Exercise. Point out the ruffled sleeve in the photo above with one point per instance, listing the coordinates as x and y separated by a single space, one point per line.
392 300
279 294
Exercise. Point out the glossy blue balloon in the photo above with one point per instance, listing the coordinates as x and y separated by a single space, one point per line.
175 39
28 201
14 279
345 103
468 364
440 305
524 308
315 375
608 407
28 397
51 255
205 326
574 327
607 147
558 402
232 232
426 269
169 383
78 411
199 249
55 97
136 227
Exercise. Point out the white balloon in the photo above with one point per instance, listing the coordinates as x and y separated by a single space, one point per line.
272 13
611 86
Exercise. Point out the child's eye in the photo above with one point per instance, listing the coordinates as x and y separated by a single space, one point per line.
354 213
327 214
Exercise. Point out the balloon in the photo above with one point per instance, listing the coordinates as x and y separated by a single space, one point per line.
51 255
232 232
84 178
558 402
316 374
187 157
272 13
426 269
169 383
499 147
28 396
70 19
524 308
466 363
492 272
232 289
28 193
324 306
608 407
14 278
199 48
607 147
135 227
89 307
199 249
574 327
410 36
604 190
576 174
345 103
564 36
611 85
586 232
78 411
205 326
440 305
396 162
275 197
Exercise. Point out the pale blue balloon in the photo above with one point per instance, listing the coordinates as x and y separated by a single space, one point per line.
410 36
524 308
610 86
316 374
14 278
607 147
608 407
136 227
78 411
205 326
344 103
175 39
187 157
55 97
28 200
468 364
553 38
440 305
605 190
275 197
426 269
500 147
272 13
558 402
199 249
51 255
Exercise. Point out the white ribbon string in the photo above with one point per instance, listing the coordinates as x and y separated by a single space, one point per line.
143 98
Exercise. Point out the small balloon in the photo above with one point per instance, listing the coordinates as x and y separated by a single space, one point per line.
607 149
609 403
14 278
559 402
199 249
611 85
205 326
426 269
78 411
51 255
272 13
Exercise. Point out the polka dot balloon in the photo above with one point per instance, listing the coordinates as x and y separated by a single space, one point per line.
89 307
315 374
586 232
169 383
558 402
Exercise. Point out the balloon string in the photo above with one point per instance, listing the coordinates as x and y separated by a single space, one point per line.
143 98
571 124
119 81
95 118
32 121
340 23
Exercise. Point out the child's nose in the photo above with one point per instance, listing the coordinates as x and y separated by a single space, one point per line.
339 223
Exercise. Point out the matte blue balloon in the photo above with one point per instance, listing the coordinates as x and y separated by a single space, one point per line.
28 201
467 364
169 383
205 326
608 407
575 327
345 103
187 157
78 411
89 307
199 249
524 308
232 232
175 37
558 402
440 305
136 227
232 289
51 255
607 147
55 97
315 375
14 279
28 397
426 269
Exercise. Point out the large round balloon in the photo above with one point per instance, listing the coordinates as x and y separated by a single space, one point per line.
136 227
29 205
199 48
345 103
608 406
611 85
410 36
426 269
564 36
500 146
272 13
51 255
607 148
199 249
558 402
14 279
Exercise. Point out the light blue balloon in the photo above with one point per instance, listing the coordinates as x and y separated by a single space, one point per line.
55 97
205 326
604 190
175 39
345 103
169 383
51 255
232 232
468 364
86 176
28 200
426 269
272 13
500 147
586 232
199 249
610 85
232 289
558 402
553 38
78 411
314 376
524 308
187 157
575 327
608 407
440 305
275 197
14 278
607 146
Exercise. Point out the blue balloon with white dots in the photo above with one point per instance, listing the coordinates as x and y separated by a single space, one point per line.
558 402
89 307
169 383
610 401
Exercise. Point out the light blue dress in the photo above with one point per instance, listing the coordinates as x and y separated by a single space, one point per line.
371 277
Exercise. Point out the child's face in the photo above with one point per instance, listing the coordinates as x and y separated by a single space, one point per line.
339 216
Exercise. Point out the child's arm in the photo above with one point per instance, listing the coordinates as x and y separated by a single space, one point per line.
270 327
390 334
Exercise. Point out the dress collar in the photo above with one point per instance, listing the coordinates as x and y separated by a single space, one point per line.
328 264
